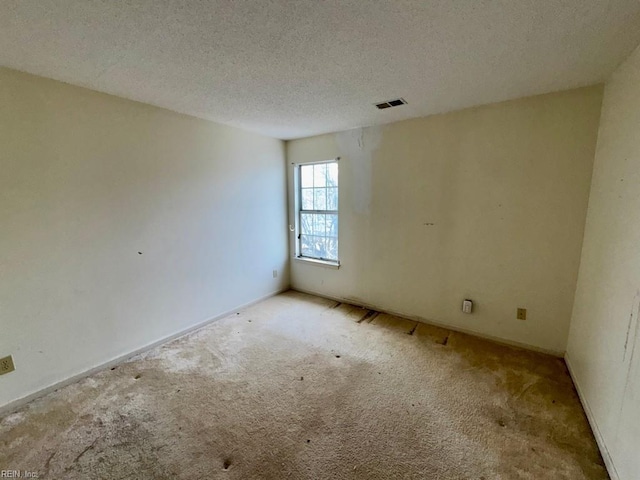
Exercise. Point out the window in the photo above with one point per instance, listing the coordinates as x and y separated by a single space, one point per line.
318 211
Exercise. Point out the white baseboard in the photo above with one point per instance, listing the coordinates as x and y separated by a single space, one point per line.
606 456
502 341
16 404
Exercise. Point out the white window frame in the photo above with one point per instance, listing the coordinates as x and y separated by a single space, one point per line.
297 184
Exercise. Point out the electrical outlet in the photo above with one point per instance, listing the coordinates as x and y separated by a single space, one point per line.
467 306
522 314
6 365
275 274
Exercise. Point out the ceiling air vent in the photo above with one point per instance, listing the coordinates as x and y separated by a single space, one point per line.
391 103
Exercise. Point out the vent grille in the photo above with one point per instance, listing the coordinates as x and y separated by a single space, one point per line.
391 103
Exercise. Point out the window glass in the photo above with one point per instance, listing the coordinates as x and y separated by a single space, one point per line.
318 211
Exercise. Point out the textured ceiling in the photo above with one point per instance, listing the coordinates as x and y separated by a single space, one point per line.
296 68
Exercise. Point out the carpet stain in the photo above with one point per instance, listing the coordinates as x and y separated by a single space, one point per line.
220 403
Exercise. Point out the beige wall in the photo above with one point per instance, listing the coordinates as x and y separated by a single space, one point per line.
604 343
487 203
89 180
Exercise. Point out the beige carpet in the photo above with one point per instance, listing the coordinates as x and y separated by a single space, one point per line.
299 387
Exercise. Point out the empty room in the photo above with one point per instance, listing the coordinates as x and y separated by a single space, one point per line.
300 239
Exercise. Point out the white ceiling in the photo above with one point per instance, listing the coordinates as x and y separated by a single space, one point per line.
294 68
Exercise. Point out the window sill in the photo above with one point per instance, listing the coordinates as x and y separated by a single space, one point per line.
320 263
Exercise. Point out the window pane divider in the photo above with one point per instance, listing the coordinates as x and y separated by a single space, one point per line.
325 212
